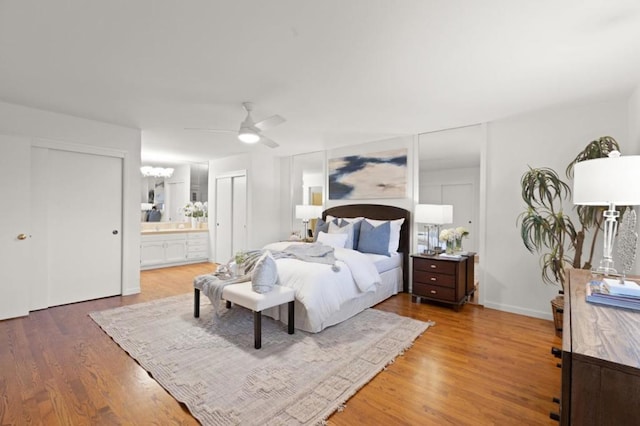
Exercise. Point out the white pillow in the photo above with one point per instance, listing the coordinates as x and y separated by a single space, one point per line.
265 273
394 238
347 229
333 240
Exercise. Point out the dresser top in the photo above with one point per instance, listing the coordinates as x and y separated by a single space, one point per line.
599 331
438 257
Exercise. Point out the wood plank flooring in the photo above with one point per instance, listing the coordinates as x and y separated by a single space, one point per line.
475 367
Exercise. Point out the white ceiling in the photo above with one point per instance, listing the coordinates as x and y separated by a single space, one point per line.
340 71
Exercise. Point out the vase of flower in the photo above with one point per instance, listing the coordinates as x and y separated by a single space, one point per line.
194 222
451 246
457 244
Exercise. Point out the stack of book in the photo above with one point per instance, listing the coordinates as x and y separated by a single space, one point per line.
613 293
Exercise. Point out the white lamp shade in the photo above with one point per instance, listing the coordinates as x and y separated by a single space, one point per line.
605 181
436 214
306 211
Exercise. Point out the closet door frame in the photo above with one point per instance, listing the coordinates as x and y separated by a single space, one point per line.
127 259
218 208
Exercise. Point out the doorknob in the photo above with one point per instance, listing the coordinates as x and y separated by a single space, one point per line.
22 236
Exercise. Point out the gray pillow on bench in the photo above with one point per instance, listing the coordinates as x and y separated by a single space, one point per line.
265 274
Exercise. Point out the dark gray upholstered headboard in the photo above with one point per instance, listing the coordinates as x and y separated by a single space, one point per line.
381 212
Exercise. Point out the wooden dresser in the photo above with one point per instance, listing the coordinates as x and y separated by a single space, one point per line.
600 360
440 279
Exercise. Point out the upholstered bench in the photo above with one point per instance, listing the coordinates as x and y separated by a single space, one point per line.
242 294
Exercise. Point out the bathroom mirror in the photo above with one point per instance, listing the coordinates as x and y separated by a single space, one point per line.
188 183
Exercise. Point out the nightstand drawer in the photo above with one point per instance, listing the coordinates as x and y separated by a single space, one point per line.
428 277
434 292
436 266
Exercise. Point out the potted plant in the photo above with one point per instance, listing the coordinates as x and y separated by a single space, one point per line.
545 228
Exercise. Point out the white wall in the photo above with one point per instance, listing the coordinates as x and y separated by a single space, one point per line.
547 138
263 195
33 123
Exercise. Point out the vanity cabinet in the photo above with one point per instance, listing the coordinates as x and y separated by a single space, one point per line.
198 246
440 279
171 249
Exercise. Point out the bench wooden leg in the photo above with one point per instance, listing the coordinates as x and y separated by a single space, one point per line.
196 303
257 329
228 305
291 317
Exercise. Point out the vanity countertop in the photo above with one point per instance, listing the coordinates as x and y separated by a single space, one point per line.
172 231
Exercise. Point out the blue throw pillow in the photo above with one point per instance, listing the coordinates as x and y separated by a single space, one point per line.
322 226
356 231
374 239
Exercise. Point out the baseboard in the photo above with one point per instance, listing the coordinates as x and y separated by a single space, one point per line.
519 310
129 291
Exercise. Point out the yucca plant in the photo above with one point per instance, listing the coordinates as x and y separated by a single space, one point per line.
544 226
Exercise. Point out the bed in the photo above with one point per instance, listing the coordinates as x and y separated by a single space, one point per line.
326 300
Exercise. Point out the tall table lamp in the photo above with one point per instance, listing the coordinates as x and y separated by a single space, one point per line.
433 215
611 182
307 212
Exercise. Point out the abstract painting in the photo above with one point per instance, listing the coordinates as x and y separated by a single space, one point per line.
376 175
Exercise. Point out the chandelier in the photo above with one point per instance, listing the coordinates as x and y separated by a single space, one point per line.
156 171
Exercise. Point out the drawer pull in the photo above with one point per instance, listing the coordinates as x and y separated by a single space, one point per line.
433 279
433 266
433 292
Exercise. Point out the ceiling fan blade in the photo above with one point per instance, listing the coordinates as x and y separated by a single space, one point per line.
270 122
268 142
204 129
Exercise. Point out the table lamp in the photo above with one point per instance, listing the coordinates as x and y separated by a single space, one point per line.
433 215
611 182
307 212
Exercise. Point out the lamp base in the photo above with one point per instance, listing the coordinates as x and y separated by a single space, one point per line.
606 267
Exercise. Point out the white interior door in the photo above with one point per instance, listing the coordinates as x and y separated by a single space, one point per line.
224 222
462 198
239 212
83 223
177 198
14 252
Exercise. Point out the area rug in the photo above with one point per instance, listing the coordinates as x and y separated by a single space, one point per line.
210 364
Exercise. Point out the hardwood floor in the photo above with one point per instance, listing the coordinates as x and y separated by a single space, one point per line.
474 367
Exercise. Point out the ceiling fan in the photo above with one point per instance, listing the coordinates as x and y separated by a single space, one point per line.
250 131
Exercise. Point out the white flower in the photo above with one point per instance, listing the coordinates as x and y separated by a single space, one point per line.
447 235
197 209
462 231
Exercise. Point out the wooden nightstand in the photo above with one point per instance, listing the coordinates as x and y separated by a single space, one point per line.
440 279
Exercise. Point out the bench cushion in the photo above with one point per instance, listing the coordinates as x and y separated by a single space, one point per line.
243 295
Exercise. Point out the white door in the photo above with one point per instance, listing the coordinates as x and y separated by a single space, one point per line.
224 223
15 205
177 198
239 214
83 207
462 198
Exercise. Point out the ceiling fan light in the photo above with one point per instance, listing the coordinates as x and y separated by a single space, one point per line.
248 136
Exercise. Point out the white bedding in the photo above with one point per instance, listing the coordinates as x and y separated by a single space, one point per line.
385 263
320 289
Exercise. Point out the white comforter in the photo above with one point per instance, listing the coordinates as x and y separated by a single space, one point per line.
322 290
